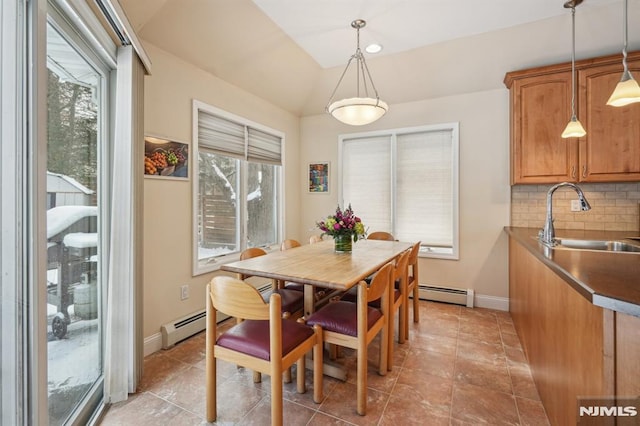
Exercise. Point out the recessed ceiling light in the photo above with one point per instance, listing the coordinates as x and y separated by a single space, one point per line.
373 48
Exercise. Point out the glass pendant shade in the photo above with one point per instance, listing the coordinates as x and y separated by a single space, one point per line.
574 129
358 111
627 91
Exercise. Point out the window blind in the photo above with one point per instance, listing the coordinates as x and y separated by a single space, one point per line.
366 180
424 197
232 139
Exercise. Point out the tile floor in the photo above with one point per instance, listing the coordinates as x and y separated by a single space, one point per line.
460 366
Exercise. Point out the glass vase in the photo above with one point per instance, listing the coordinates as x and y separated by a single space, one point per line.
343 243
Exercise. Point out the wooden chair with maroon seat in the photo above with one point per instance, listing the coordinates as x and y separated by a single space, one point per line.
397 302
291 301
413 283
380 235
318 293
355 325
263 342
315 239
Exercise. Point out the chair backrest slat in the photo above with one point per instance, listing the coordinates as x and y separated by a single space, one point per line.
380 235
238 299
289 244
380 282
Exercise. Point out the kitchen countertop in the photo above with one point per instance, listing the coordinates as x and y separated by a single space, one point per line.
610 280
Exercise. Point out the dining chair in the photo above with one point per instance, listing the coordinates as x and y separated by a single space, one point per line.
263 342
291 302
315 239
380 235
413 289
355 325
289 244
318 293
398 302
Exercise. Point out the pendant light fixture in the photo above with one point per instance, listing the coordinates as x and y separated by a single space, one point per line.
358 110
574 129
627 90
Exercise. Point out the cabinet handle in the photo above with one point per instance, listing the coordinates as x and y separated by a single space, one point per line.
573 171
584 171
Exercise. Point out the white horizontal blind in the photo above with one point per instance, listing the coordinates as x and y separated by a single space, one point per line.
366 180
227 137
264 148
221 135
424 198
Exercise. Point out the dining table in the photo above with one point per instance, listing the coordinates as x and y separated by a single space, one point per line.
319 265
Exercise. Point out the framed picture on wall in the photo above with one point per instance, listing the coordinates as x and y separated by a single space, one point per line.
165 158
319 178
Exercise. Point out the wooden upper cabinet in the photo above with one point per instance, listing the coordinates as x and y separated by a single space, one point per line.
539 114
610 151
541 108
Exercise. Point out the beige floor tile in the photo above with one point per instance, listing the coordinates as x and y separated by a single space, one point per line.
460 366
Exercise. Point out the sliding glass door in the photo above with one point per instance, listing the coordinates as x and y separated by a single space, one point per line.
77 108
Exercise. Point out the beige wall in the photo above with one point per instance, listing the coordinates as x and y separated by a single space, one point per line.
169 92
484 182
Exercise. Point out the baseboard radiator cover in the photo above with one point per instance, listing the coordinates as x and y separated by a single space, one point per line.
452 295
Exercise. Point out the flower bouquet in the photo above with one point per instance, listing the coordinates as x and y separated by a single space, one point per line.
344 226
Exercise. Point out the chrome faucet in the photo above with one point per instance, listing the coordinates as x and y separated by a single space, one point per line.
547 235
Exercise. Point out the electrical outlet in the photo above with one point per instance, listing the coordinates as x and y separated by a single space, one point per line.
184 292
575 205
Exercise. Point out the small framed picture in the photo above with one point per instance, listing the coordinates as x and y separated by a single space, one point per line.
165 158
319 178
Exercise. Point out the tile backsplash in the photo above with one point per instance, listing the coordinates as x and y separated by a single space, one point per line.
614 206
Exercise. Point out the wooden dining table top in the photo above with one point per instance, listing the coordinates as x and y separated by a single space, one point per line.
319 265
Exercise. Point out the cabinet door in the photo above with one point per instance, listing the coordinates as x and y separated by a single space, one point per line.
540 110
610 152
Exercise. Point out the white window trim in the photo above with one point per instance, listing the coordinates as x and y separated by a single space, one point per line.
216 262
454 127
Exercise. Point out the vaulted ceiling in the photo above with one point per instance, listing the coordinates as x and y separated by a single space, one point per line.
299 47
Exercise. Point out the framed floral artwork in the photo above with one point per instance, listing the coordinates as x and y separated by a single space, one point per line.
319 178
164 158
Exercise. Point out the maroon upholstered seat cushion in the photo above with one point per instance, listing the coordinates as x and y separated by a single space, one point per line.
294 286
252 337
292 301
342 317
352 295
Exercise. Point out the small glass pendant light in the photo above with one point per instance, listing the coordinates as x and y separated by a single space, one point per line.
574 129
627 90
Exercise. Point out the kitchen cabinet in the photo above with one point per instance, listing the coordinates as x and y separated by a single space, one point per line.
540 107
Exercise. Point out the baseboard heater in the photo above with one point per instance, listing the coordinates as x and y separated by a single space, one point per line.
447 295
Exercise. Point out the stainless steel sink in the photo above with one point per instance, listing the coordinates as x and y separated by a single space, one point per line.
600 245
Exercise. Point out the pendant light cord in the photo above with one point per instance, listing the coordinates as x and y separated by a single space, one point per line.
625 34
573 64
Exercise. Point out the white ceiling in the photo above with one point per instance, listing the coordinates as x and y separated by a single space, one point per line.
291 52
323 27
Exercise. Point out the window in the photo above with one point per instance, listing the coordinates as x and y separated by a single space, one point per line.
405 181
236 186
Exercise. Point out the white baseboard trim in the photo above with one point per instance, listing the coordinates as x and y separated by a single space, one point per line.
491 302
152 344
